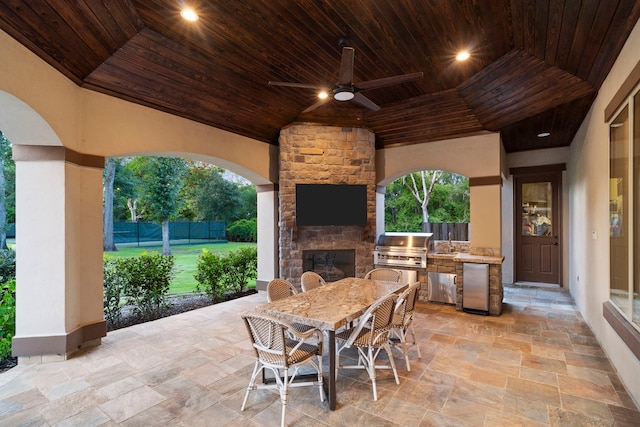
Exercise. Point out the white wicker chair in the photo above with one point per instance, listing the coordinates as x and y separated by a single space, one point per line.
369 337
280 347
384 274
280 288
311 280
401 323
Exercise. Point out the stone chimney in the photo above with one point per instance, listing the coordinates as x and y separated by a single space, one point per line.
317 154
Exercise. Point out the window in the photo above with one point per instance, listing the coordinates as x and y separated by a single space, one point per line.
624 210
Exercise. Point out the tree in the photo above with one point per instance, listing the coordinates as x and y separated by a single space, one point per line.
421 192
7 188
209 196
126 191
448 201
161 179
108 243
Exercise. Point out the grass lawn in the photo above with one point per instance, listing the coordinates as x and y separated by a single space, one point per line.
186 258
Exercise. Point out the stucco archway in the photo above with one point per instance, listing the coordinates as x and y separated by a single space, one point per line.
59 205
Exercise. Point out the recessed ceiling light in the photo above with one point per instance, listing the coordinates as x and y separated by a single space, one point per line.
543 134
323 94
189 14
463 55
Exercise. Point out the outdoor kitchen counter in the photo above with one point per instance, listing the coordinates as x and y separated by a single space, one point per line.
453 263
466 257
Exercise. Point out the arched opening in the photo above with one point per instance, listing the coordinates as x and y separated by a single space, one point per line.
433 201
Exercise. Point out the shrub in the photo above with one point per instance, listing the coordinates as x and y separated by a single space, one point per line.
146 281
211 272
7 317
113 289
244 230
243 266
7 265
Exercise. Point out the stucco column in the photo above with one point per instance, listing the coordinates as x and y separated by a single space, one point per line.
381 191
486 212
59 296
267 196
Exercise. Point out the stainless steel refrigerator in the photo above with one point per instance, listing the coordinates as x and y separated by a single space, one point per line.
475 288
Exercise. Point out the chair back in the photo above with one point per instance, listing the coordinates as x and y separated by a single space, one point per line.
311 280
406 304
378 319
278 289
268 338
384 274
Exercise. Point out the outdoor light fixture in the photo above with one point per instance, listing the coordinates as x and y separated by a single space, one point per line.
189 14
463 55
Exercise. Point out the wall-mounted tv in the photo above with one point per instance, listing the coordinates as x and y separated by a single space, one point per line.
331 204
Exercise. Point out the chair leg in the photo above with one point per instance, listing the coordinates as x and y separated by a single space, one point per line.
320 379
256 370
284 391
413 336
406 354
371 367
387 348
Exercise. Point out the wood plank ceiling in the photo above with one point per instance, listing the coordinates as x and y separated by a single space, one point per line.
536 65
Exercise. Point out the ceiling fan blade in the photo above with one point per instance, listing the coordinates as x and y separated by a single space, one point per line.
316 105
366 102
345 75
301 85
388 81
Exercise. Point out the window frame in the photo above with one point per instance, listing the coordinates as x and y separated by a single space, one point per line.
631 102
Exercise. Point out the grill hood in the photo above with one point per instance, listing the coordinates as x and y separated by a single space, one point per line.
406 240
403 250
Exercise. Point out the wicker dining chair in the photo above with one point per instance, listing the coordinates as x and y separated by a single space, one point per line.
282 349
279 288
384 274
311 280
401 324
369 337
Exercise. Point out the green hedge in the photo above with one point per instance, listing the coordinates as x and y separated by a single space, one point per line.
143 281
218 274
7 317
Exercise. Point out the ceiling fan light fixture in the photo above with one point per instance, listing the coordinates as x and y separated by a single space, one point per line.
344 95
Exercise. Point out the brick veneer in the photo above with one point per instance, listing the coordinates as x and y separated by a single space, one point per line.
315 154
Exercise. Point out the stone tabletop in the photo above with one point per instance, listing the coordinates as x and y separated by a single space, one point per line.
331 306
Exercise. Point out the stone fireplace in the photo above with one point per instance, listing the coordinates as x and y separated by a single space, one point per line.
316 154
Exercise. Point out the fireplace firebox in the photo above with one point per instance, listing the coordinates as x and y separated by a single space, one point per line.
331 264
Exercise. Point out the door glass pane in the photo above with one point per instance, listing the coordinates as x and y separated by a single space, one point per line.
537 209
618 211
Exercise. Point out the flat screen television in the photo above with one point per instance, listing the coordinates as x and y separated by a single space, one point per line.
331 204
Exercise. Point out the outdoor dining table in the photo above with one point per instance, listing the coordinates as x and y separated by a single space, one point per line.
330 307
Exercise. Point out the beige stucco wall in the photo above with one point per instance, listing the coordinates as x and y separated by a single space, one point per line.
588 186
477 156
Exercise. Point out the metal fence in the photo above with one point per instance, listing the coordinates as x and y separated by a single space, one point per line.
187 231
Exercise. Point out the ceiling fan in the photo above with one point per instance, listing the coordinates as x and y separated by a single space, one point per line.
345 89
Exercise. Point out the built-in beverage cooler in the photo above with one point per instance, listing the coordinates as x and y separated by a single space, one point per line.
475 288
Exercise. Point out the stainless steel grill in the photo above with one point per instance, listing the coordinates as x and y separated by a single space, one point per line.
408 250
